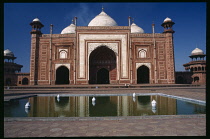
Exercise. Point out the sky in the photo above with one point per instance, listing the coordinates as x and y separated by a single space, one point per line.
189 27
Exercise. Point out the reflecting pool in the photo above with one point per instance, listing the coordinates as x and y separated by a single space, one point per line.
83 106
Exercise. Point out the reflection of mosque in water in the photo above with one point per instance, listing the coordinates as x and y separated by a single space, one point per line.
105 106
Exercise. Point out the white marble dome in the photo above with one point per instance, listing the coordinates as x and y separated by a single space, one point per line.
136 29
69 29
36 19
197 51
167 20
102 20
7 52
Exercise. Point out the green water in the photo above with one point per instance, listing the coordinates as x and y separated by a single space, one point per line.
82 106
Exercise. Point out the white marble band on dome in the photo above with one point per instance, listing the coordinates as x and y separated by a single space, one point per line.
7 52
36 19
136 29
197 51
69 29
102 20
167 20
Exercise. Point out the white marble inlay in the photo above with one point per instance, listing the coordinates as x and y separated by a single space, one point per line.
58 65
105 37
93 46
145 64
140 64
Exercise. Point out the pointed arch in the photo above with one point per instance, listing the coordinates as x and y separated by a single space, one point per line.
142 53
102 58
63 54
143 74
62 75
25 81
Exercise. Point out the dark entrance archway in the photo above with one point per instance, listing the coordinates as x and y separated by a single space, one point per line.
102 76
102 66
196 79
62 75
142 75
25 81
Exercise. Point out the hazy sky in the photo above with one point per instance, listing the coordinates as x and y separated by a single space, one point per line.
189 18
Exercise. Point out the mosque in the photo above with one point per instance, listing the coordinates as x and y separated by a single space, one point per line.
104 53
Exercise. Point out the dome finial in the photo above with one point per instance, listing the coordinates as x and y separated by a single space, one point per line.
102 8
102 20
133 20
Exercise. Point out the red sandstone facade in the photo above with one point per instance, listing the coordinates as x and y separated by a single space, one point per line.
102 55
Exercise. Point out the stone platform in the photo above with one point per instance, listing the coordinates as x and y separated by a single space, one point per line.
170 125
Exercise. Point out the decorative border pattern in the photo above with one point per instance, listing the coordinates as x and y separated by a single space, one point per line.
84 52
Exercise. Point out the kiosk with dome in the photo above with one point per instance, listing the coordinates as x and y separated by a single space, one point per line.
197 66
12 71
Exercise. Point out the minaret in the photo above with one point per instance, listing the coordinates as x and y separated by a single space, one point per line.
35 37
169 47
75 21
129 21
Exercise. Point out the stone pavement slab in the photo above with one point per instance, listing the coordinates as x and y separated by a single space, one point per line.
187 125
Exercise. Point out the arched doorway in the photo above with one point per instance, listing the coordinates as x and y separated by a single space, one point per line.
142 75
25 81
62 75
102 76
102 65
196 79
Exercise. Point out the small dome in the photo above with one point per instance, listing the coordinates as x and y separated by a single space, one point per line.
136 29
167 20
69 29
7 52
102 20
36 19
197 51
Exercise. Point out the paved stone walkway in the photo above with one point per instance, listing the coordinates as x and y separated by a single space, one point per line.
147 126
174 125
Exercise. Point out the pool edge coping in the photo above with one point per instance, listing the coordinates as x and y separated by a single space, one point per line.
200 102
28 119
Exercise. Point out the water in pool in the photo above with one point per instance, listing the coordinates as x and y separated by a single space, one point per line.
83 106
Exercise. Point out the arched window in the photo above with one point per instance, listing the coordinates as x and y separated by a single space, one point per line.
25 81
142 53
63 54
191 69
